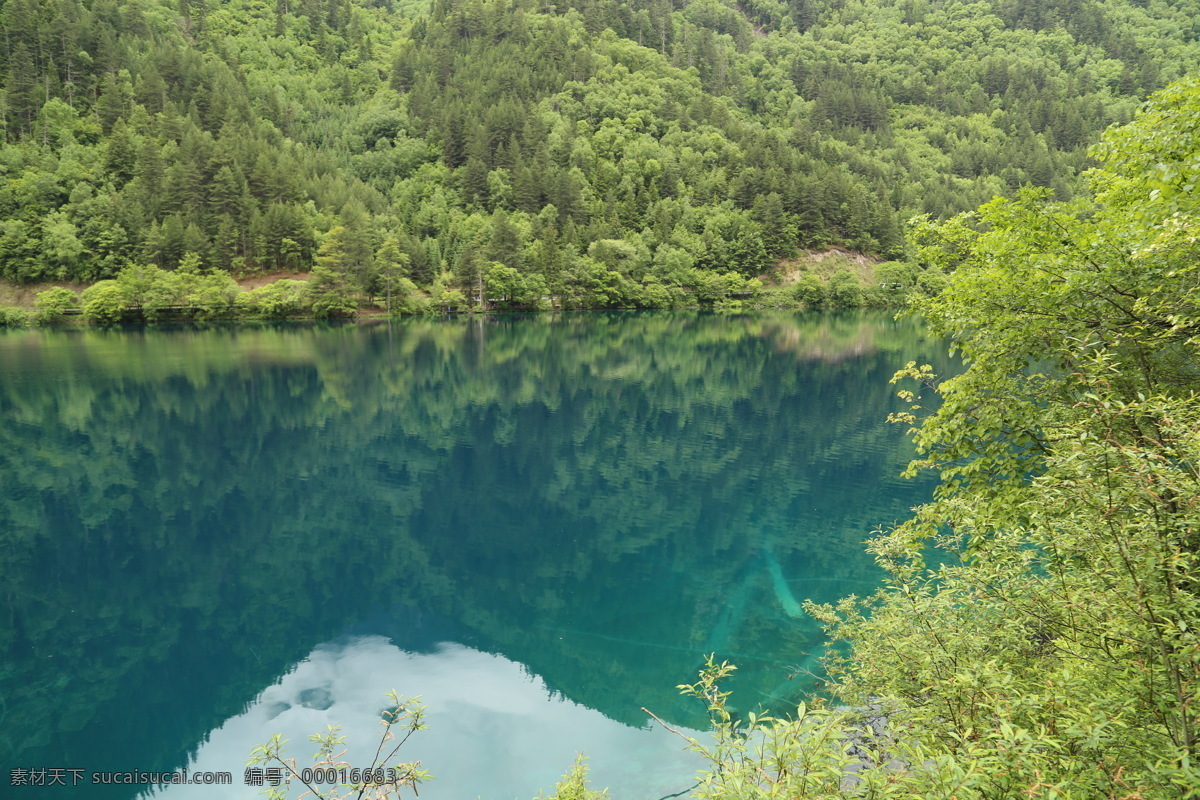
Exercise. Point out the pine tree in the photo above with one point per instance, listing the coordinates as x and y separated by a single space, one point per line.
120 154
330 282
357 246
23 95
504 242
779 234
473 182
115 101
391 265
469 271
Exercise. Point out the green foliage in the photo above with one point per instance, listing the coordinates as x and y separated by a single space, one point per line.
106 301
774 297
654 294
390 278
507 288
894 281
280 299
13 317
328 293
404 298
712 288
1080 323
211 296
573 785
997 670
444 300
762 756
844 290
53 304
151 291
931 282
809 291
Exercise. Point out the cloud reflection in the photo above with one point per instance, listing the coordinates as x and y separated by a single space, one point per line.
495 731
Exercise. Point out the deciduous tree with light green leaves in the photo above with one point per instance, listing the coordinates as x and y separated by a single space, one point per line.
54 303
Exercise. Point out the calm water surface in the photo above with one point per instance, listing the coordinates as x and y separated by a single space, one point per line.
539 524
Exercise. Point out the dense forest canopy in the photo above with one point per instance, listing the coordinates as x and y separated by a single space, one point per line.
597 153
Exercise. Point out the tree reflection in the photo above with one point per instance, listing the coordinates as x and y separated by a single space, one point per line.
603 498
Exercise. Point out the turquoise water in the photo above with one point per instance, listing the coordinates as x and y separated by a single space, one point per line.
540 524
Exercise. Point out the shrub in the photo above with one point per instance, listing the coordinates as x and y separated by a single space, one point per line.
897 276
106 301
151 290
931 282
53 304
13 317
653 294
776 297
213 295
279 300
893 281
809 291
415 303
449 300
845 290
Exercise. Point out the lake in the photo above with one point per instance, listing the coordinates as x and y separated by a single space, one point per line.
540 524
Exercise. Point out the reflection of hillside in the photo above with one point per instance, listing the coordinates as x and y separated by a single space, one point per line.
186 512
833 338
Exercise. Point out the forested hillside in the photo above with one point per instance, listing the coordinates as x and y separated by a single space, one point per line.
594 153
